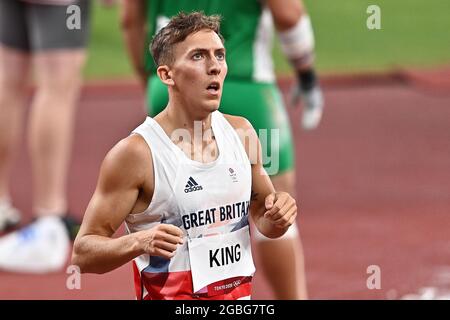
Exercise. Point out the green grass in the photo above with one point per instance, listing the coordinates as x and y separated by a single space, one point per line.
107 55
414 33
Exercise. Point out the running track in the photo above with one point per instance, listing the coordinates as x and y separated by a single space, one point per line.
373 187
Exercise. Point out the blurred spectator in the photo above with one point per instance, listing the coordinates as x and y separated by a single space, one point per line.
35 33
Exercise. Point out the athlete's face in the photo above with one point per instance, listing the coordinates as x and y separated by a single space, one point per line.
199 70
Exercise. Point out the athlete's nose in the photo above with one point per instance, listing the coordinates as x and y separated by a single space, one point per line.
214 67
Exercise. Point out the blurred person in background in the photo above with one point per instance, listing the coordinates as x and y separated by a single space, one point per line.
34 34
247 28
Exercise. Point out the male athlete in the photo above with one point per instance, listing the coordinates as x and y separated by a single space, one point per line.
184 183
249 91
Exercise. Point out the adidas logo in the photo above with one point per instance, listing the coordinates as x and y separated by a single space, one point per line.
192 186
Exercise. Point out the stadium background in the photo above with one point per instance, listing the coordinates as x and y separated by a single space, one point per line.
373 179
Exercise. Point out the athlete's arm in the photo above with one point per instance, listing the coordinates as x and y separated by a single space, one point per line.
132 21
122 176
272 212
285 13
294 31
297 42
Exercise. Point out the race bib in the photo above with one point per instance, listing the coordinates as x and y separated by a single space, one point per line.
220 257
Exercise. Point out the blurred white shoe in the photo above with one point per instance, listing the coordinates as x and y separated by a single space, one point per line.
41 247
9 216
313 104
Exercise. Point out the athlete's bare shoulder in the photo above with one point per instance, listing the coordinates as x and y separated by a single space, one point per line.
129 161
130 149
248 135
238 122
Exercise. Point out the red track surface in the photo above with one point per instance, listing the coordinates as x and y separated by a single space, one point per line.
373 183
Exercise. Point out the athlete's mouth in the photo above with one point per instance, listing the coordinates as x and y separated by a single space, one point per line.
213 87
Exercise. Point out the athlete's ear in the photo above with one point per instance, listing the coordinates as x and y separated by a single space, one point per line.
165 74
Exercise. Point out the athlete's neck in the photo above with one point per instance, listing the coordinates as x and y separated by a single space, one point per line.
179 118
200 144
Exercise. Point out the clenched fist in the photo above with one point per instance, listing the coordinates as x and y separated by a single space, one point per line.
281 209
162 240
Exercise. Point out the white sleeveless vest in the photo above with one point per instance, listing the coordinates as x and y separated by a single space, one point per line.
203 199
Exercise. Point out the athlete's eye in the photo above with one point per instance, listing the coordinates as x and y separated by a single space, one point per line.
197 56
220 56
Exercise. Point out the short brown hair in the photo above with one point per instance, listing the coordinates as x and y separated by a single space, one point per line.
177 30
